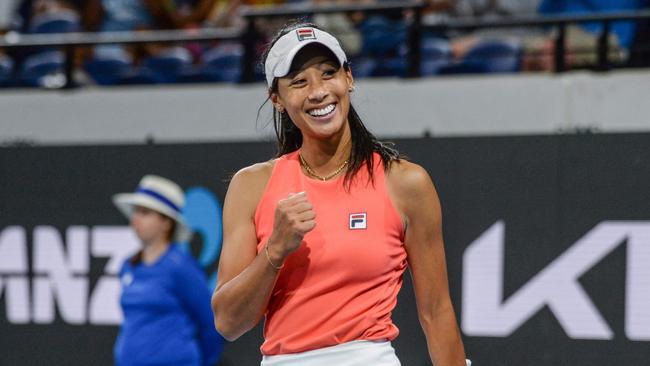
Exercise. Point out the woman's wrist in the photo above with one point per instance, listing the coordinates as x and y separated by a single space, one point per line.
276 261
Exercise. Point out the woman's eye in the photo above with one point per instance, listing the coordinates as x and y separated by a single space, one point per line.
297 82
329 72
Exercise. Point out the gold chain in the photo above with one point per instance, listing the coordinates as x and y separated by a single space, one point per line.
311 171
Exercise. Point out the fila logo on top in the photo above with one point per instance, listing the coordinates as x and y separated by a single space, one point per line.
305 34
358 221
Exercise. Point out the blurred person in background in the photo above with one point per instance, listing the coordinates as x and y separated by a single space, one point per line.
165 296
582 39
340 25
488 10
27 10
7 17
181 14
134 15
224 13
27 16
8 12
267 26
317 239
537 44
120 16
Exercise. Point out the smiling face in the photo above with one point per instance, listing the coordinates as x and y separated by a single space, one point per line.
316 94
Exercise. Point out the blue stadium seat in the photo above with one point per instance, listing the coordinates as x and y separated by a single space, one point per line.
37 67
169 65
391 66
223 63
108 68
435 54
464 67
363 67
382 36
193 74
488 56
62 21
138 76
6 69
498 55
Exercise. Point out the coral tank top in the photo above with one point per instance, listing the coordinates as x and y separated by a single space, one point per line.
341 285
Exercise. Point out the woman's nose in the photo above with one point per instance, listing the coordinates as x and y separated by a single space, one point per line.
318 92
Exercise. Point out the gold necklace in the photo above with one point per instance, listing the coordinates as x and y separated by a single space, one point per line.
311 171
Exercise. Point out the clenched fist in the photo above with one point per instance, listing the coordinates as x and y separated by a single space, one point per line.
294 217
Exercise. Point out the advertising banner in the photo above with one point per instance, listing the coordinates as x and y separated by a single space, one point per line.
547 242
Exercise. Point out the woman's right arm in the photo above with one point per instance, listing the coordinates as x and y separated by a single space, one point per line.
246 278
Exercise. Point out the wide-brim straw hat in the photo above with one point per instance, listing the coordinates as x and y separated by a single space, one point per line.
161 195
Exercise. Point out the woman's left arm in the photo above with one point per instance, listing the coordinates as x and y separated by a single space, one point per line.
415 196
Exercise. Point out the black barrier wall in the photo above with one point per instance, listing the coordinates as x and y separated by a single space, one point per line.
547 244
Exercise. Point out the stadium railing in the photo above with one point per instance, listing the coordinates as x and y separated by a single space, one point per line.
249 35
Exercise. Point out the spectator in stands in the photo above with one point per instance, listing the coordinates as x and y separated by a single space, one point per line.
165 296
34 16
179 14
267 26
8 16
462 42
183 14
26 10
582 39
115 16
486 9
225 14
537 45
118 15
341 26
436 10
133 15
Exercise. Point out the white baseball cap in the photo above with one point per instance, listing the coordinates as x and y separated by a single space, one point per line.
278 62
161 195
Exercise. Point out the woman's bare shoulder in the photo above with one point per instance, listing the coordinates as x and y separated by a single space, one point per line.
256 171
412 191
405 176
253 176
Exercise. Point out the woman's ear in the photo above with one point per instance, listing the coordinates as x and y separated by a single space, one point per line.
276 102
350 79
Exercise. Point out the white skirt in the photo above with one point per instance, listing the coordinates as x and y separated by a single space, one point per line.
355 353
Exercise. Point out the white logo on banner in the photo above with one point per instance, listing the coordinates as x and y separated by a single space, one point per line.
59 279
486 313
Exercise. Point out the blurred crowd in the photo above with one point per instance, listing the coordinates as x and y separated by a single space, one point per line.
377 44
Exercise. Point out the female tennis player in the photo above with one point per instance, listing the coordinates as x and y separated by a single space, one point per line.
317 239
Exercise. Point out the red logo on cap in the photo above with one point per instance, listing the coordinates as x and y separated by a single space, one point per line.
305 33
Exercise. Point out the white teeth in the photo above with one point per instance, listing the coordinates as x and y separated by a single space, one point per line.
322 112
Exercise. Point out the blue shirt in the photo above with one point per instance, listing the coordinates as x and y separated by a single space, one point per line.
125 15
167 315
625 31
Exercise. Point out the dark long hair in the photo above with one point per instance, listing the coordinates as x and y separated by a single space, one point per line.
364 143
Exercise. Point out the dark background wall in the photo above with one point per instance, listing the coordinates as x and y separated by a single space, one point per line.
548 190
